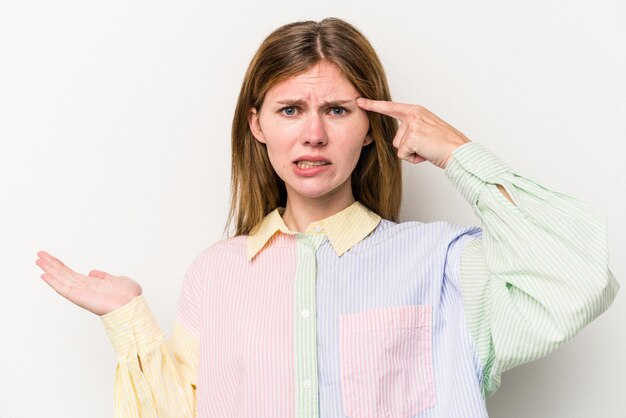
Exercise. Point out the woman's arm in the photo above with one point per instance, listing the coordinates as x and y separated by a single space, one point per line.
540 272
153 378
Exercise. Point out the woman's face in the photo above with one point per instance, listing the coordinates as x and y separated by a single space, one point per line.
314 132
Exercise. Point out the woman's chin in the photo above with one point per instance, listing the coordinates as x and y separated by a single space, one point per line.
313 193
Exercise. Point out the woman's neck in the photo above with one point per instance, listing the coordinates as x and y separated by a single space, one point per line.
299 213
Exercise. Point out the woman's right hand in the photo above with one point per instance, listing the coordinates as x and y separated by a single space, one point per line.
99 292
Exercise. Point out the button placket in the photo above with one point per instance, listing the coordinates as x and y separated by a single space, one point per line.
305 325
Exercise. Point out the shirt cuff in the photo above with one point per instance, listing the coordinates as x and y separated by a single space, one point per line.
132 326
471 167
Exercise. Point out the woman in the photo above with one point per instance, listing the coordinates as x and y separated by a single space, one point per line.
323 305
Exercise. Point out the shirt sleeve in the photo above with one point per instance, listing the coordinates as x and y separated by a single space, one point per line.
538 274
155 377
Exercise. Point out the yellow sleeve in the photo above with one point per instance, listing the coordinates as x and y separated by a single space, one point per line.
153 377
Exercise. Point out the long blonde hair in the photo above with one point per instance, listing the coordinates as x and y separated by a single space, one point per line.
290 50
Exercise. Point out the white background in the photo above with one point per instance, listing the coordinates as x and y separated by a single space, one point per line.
115 155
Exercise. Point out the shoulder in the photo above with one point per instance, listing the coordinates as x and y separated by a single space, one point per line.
430 234
436 229
228 248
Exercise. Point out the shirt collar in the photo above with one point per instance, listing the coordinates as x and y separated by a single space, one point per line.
344 229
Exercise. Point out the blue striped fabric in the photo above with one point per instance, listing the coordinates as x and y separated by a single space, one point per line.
400 265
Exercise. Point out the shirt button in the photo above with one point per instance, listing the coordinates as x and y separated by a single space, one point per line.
306 383
317 228
305 313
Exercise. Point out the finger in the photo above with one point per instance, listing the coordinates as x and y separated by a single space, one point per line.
397 140
51 259
53 270
98 274
61 272
74 294
408 154
57 264
46 256
393 109
415 159
61 287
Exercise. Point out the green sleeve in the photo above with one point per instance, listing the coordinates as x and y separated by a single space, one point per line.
539 273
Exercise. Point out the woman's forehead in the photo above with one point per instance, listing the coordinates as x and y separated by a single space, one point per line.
323 80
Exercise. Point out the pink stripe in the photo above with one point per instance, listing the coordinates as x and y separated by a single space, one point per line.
386 362
246 356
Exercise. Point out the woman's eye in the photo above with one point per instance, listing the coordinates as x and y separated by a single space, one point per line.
293 110
338 111
289 110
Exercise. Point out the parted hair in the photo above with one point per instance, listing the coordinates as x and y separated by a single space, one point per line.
291 50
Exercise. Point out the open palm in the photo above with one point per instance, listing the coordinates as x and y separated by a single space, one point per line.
99 292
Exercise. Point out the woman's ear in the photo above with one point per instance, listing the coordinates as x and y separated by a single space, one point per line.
368 140
255 127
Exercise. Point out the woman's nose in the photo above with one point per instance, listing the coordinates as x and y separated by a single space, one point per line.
315 133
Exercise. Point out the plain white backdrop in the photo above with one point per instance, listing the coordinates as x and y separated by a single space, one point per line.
115 155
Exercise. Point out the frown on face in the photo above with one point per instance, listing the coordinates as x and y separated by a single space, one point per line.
314 132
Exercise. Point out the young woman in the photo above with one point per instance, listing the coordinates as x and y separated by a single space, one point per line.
323 305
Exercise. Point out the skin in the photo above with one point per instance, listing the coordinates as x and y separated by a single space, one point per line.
99 292
317 113
313 114
422 135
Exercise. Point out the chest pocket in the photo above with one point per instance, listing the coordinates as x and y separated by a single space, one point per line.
386 362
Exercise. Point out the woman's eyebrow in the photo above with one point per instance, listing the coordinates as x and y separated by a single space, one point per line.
301 102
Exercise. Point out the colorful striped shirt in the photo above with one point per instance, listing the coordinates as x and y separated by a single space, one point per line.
363 317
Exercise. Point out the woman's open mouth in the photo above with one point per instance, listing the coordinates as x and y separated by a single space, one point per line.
310 164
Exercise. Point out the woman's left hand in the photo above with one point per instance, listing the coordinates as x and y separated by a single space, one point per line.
422 135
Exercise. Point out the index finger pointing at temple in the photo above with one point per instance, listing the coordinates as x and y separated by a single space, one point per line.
393 109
